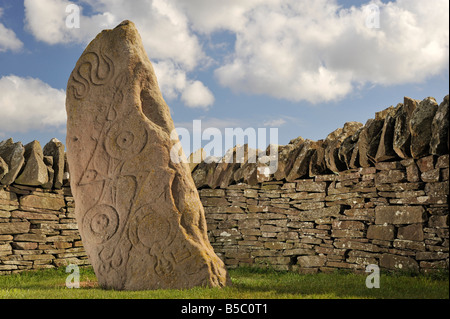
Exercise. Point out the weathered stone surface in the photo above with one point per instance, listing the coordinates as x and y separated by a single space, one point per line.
140 216
439 144
12 153
333 143
311 261
35 171
348 148
42 202
368 141
385 150
286 157
399 214
55 149
402 134
300 167
3 168
381 232
390 261
420 127
196 158
411 232
317 164
14 228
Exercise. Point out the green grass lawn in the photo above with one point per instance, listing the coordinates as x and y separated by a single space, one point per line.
248 283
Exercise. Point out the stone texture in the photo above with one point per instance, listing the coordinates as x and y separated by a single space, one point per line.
399 214
286 157
140 216
368 141
381 232
411 232
385 150
196 158
333 143
439 144
55 149
3 168
420 127
35 171
402 134
300 167
12 153
395 262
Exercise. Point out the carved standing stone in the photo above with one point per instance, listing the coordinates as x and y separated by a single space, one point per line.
139 213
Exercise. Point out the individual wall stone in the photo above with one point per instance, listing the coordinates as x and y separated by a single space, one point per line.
411 232
439 144
55 149
348 148
421 127
395 262
334 142
35 171
286 157
399 214
300 167
402 133
368 141
317 164
385 150
12 153
381 232
3 168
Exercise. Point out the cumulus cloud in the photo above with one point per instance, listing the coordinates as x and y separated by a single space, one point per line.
164 29
296 50
8 38
317 51
29 104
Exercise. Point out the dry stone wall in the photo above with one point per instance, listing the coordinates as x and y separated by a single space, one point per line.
394 215
38 228
367 194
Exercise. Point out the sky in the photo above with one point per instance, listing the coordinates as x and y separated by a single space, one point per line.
302 67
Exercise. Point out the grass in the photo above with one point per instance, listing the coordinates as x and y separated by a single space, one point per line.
248 283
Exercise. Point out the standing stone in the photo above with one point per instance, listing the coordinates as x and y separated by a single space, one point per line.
420 127
35 171
439 144
12 153
55 149
139 213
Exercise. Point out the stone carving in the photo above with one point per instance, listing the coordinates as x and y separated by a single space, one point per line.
139 214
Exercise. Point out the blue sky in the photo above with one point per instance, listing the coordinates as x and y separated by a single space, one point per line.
304 67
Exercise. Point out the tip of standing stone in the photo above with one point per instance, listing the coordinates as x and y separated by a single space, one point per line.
124 23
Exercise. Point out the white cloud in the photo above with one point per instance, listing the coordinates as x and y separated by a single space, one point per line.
29 104
317 51
197 95
288 49
275 122
8 38
164 29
